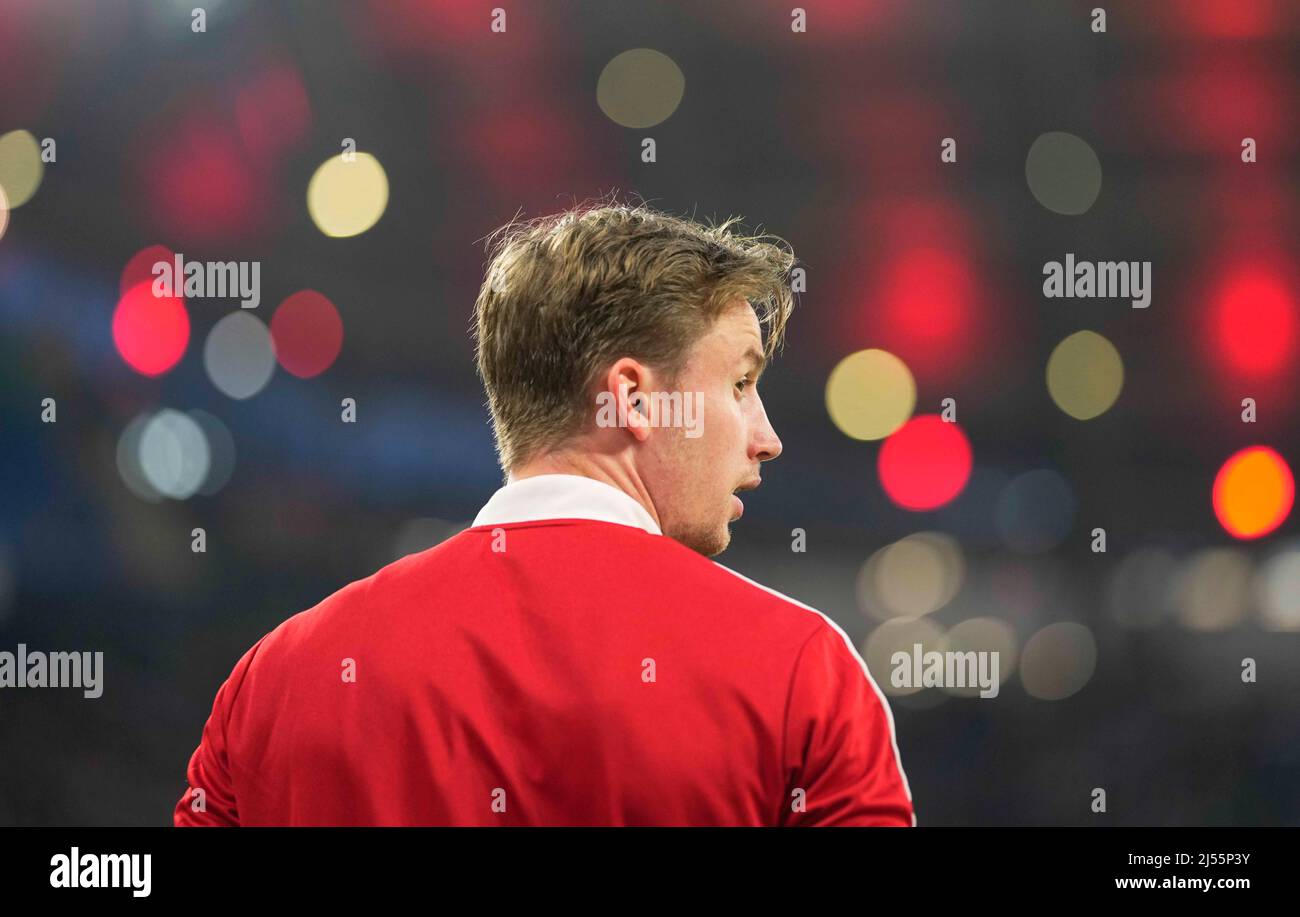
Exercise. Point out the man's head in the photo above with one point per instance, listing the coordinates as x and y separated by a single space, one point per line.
628 341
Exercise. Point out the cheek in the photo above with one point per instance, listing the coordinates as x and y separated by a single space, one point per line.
724 425
707 459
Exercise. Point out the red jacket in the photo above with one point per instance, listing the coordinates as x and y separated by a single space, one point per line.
558 663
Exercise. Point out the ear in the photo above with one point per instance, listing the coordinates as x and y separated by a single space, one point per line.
628 383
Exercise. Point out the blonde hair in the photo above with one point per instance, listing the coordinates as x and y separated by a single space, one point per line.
566 295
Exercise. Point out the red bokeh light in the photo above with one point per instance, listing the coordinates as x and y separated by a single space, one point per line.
519 148
1216 18
307 333
1209 102
917 291
140 268
199 183
151 332
927 301
925 463
1253 320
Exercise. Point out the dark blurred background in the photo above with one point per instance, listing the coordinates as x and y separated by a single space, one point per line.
1122 669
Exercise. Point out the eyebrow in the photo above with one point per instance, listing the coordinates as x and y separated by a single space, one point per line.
758 359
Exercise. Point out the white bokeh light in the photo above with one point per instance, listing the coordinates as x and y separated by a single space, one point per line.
1277 589
173 454
239 355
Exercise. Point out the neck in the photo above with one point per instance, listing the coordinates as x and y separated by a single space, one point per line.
610 469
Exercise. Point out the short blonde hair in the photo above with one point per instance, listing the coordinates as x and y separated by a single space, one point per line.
568 294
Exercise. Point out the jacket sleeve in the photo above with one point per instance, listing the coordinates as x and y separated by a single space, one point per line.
839 747
209 798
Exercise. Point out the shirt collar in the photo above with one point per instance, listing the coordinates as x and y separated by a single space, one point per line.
564 496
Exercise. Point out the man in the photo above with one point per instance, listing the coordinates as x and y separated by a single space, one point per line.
574 657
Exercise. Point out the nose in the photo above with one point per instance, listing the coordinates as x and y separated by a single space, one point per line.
765 445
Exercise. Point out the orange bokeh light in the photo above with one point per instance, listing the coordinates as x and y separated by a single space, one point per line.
1253 492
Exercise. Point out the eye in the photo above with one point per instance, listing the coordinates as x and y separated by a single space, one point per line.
744 382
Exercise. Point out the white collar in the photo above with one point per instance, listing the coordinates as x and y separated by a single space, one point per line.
564 496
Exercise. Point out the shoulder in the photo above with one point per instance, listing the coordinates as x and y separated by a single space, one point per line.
750 602
320 618
815 621
664 566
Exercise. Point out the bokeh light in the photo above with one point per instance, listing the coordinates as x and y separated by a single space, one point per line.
231 199
1058 661
982 635
1216 19
128 460
21 168
925 464
870 394
221 452
4 212
345 198
921 288
307 333
173 454
640 88
239 356
1085 375
1277 589
1063 173
895 636
140 268
1211 590
912 577
150 332
1253 322
1208 102
927 300
1253 492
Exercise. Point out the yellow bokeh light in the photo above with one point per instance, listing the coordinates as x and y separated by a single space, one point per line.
1058 661
345 198
900 635
21 168
914 576
870 394
640 88
1211 591
982 635
1085 375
